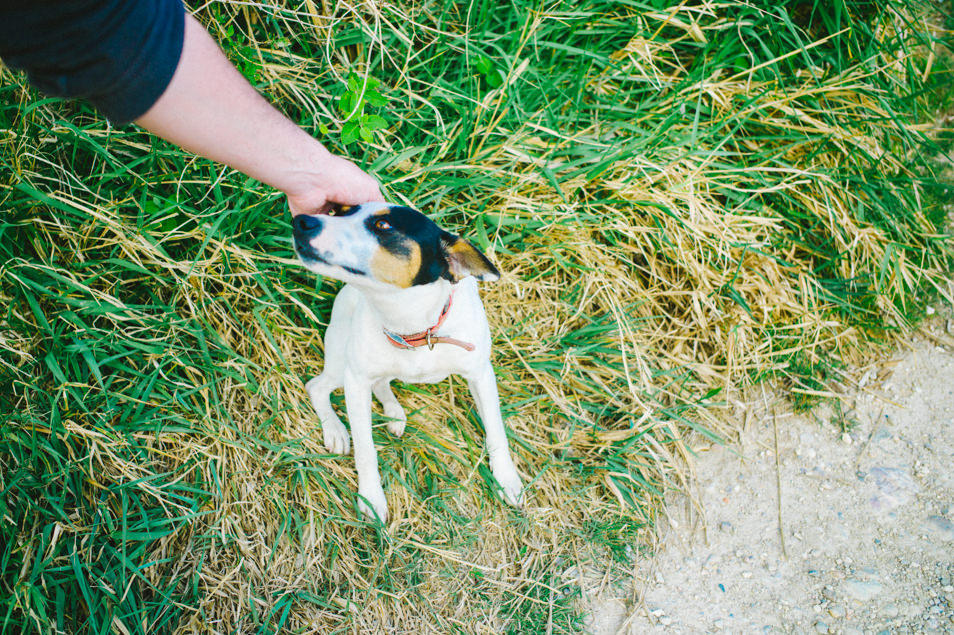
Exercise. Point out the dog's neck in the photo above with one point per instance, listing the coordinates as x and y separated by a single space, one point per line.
409 310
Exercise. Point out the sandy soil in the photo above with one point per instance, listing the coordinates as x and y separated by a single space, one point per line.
840 532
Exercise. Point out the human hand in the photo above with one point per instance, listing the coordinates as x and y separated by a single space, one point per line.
333 181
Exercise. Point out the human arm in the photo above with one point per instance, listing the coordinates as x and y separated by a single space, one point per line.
208 108
149 61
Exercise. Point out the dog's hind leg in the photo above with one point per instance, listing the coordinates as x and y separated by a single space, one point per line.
336 435
392 409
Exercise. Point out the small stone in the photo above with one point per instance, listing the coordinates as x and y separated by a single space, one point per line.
889 610
895 488
939 527
851 630
821 627
837 611
862 590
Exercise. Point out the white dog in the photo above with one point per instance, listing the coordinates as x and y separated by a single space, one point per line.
409 311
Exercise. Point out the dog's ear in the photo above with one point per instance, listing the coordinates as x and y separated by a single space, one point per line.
463 259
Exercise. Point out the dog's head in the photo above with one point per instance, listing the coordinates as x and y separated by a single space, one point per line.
388 244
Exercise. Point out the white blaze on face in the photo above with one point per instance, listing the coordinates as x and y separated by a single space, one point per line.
346 242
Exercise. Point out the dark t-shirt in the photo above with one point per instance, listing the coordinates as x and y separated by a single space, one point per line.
117 54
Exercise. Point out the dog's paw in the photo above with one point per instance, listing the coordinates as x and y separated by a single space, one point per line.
398 420
337 440
372 504
508 479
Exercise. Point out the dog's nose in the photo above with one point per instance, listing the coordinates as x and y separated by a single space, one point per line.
306 225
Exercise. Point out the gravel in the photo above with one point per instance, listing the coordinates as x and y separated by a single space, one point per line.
867 516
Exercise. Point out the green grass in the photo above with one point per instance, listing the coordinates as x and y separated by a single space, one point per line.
685 198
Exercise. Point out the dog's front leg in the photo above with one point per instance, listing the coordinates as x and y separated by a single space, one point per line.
484 388
371 499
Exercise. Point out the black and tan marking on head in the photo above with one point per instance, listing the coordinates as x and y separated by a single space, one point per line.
391 244
415 251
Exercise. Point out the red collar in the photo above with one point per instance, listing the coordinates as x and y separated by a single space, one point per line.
428 337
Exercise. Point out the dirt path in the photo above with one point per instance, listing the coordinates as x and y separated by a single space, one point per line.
866 517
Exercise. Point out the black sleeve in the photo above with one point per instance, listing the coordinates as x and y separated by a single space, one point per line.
117 54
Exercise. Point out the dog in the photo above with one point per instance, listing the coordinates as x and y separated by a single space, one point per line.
409 310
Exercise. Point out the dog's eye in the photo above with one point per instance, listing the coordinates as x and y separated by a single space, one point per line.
382 224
